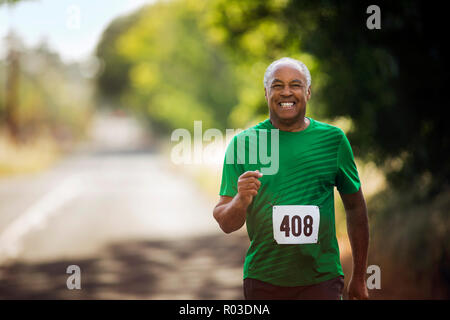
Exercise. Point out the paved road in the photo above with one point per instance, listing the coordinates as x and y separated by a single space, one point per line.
136 229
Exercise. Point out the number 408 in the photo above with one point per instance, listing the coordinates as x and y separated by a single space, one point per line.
295 224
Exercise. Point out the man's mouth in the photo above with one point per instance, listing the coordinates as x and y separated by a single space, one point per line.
287 105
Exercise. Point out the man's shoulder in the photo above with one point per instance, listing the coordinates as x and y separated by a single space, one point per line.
327 128
263 125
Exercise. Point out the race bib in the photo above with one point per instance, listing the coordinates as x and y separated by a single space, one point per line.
295 224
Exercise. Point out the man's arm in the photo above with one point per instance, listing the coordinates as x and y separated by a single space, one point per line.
231 212
358 233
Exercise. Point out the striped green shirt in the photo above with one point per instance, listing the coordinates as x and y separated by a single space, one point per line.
310 163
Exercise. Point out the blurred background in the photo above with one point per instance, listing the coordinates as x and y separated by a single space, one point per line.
91 92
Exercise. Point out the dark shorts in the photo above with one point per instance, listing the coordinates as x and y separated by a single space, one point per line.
327 290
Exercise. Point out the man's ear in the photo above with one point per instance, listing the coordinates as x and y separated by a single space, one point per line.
308 93
265 94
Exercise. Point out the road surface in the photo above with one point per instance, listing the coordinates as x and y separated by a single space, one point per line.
136 229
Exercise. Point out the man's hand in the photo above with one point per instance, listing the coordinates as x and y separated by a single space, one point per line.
248 186
357 289
230 212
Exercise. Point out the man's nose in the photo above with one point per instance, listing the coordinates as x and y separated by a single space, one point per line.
286 91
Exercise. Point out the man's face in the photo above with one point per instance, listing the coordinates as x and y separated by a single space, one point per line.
287 93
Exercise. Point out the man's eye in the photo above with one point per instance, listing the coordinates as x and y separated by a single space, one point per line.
276 86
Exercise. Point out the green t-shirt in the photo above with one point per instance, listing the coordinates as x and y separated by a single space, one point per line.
310 163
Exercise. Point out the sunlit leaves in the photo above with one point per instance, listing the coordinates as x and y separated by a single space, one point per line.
258 40
176 73
144 76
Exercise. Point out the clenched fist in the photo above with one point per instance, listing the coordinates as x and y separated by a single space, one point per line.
248 186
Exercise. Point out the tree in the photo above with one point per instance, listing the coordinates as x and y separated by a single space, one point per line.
162 64
389 82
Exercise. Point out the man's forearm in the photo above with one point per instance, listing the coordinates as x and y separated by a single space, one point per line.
231 216
358 233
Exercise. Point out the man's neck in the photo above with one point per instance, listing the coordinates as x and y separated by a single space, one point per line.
296 126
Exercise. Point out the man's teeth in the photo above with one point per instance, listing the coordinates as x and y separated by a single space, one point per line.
287 104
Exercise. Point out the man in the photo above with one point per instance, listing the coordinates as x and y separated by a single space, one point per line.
289 215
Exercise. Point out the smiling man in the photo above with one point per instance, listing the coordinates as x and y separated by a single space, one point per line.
289 215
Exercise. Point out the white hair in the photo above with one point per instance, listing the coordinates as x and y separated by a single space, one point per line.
300 66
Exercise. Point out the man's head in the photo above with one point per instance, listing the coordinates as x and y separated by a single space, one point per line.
287 86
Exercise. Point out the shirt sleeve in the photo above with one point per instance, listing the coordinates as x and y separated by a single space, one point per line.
347 179
231 171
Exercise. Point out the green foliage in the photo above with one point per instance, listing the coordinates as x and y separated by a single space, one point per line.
390 82
111 83
209 57
168 68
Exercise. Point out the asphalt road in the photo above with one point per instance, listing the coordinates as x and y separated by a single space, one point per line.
136 229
